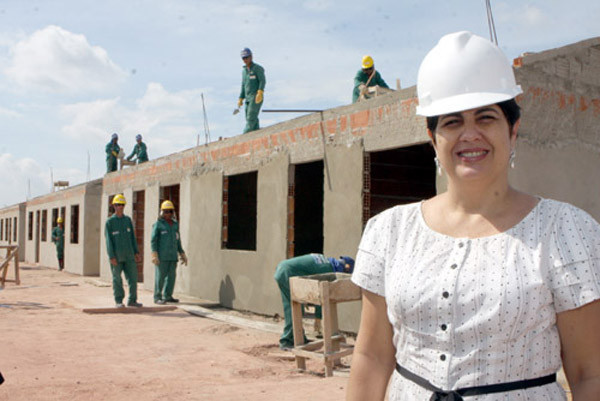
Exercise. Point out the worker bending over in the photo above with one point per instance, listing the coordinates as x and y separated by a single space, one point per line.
112 152
253 86
166 245
139 151
366 77
123 252
305 265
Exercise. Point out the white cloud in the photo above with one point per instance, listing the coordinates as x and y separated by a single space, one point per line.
317 5
167 120
9 113
18 175
58 61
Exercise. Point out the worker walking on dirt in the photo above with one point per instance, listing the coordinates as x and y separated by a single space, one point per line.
58 237
253 86
366 77
123 253
305 265
112 152
139 151
166 245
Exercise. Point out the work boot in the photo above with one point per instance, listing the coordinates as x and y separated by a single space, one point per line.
134 304
173 300
159 301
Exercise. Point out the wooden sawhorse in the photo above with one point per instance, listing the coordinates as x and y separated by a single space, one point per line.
326 290
12 252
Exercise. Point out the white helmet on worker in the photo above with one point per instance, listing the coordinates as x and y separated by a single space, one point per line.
464 71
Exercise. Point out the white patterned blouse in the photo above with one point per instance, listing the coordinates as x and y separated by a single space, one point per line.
475 311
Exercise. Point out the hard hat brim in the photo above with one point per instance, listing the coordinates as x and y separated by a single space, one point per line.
466 101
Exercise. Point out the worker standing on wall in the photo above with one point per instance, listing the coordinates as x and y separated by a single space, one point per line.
139 151
58 237
305 265
112 152
253 86
166 245
123 252
366 77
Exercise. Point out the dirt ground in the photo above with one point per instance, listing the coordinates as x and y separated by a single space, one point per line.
51 350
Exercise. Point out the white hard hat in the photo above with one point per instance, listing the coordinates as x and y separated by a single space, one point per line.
464 71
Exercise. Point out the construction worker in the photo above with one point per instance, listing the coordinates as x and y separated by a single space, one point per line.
305 265
58 237
112 152
166 245
123 252
139 151
366 77
253 86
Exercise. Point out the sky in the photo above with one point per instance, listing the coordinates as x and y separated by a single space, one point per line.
72 72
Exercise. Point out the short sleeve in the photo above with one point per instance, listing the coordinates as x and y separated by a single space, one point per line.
369 269
575 251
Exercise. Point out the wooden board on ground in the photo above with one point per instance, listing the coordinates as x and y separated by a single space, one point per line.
131 309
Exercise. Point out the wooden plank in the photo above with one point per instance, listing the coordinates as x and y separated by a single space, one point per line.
305 290
130 309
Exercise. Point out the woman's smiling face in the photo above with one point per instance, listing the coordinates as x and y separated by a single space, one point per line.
475 144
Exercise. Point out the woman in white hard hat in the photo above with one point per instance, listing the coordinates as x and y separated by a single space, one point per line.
478 291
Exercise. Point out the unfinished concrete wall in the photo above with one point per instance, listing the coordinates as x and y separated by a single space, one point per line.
12 227
81 253
559 143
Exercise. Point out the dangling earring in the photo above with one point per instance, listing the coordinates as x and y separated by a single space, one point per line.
438 165
511 159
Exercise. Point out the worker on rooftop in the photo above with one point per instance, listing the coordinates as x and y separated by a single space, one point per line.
253 86
166 245
139 151
123 253
366 77
305 265
112 152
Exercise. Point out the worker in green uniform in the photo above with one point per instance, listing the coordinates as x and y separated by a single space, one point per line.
166 245
112 152
58 237
253 87
366 77
139 151
123 253
305 265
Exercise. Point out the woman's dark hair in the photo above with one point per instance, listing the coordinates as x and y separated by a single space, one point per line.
510 108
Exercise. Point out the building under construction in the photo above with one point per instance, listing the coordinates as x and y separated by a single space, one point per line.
310 184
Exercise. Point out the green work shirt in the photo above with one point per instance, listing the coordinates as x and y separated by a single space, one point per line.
58 237
110 147
253 79
139 150
120 238
166 240
362 78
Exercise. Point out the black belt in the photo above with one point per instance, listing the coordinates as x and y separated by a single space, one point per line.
457 395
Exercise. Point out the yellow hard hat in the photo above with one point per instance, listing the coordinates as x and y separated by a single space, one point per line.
59 220
167 205
119 199
367 62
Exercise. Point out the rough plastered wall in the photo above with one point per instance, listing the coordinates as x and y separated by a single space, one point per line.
558 150
8 216
81 257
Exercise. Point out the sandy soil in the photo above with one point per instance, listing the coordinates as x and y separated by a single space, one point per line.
51 350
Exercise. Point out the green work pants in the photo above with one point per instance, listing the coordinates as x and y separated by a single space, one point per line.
129 268
111 164
252 110
299 266
164 279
